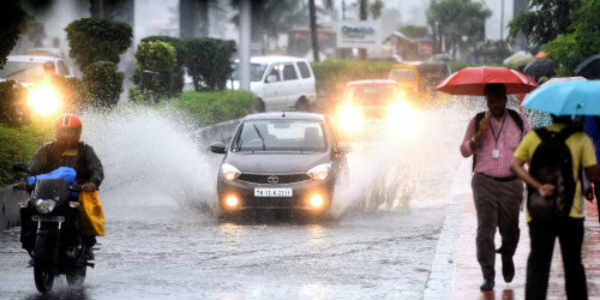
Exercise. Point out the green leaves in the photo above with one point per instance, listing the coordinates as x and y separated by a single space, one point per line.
12 104
96 39
12 24
213 107
104 84
208 61
544 20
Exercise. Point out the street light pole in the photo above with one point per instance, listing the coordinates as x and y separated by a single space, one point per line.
244 48
502 20
313 30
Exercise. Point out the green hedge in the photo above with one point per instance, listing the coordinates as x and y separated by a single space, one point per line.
103 83
349 70
213 107
18 145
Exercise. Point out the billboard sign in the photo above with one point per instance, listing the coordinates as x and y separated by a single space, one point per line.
358 34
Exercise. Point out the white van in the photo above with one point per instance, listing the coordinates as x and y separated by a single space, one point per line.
281 82
30 68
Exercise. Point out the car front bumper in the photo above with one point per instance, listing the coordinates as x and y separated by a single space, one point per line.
302 192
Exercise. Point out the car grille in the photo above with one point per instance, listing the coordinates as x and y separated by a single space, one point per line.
291 178
271 202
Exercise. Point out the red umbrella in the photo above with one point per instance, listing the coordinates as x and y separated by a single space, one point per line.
472 81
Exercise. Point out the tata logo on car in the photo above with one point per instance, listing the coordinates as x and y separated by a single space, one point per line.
273 179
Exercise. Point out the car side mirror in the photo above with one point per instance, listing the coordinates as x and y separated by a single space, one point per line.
217 147
343 148
271 78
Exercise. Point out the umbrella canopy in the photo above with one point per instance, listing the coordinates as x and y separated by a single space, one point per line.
589 68
472 81
574 97
518 60
539 68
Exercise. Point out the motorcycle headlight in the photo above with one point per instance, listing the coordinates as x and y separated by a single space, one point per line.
230 172
350 118
44 206
319 172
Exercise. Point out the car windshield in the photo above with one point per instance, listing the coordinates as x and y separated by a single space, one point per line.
256 71
373 94
403 74
22 71
280 135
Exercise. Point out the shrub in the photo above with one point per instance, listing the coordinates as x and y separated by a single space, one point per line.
156 64
96 39
103 84
208 61
18 145
213 107
177 75
13 110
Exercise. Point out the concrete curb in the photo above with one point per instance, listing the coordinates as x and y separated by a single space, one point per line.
440 281
9 212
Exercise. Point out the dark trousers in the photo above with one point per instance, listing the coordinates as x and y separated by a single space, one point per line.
543 234
497 204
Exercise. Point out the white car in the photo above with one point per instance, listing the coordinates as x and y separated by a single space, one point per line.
281 82
30 68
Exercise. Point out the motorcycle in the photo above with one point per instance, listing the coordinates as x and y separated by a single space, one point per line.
51 229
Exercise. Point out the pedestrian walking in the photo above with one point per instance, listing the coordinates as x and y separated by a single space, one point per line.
592 128
555 155
491 138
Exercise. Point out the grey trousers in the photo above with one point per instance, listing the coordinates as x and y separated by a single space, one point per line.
497 204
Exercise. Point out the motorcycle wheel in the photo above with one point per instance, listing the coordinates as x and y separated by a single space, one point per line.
76 276
44 278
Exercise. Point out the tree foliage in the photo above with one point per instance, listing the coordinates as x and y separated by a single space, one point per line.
208 61
544 20
103 84
178 73
458 19
413 31
97 39
492 52
156 65
581 41
12 25
12 104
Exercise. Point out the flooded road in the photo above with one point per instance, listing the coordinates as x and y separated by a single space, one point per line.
164 242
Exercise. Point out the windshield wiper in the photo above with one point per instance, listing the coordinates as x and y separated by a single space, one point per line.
264 147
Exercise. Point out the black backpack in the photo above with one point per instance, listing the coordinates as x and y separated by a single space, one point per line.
552 164
512 113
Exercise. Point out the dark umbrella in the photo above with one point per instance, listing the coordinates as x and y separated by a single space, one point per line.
589 68
539 68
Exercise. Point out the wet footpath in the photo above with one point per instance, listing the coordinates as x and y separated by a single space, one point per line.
467 274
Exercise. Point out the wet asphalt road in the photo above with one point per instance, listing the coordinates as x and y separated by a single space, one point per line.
170 252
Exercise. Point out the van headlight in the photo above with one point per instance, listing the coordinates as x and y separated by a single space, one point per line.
230 172
44 206
319 172
350 118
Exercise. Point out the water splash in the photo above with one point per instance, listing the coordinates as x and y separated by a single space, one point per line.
150 158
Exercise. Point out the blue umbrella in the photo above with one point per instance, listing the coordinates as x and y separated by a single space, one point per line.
576 97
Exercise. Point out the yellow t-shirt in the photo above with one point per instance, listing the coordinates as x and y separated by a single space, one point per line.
582 152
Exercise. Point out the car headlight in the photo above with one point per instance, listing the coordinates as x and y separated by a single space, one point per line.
350 118
44 206
43 99
230 172
319 172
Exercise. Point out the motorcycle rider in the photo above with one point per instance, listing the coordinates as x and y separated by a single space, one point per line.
69 151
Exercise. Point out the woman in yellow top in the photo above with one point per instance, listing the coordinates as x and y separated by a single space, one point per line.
569 230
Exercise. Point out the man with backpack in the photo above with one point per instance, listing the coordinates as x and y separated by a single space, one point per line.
556 155
491 138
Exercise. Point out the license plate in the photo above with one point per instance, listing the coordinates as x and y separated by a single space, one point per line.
59 219
273 192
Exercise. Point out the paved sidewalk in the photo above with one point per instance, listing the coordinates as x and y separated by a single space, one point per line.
467 274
